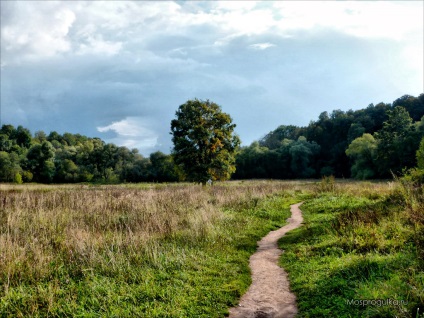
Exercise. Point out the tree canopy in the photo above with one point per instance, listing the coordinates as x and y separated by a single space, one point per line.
373 142
362 150
420 155
204 141
72 158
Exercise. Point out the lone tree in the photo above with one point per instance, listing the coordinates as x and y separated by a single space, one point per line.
204 141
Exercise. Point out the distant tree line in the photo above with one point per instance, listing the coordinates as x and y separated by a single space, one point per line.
375 142
70 158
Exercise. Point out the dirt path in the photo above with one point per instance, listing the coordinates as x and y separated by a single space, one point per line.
269 295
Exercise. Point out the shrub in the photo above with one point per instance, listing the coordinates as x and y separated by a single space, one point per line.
327 184
17 178
27 176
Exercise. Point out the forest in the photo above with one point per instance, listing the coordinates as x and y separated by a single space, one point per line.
376 142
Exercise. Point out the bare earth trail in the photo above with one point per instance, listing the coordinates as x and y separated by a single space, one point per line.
269 295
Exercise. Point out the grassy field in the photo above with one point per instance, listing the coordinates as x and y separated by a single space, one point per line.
359 253
181 250
133 250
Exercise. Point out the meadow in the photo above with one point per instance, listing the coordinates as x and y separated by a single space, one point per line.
360 251
182 250
141 250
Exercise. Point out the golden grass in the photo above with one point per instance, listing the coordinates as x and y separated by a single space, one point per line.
105 226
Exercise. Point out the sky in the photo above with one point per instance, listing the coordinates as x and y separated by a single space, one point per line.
119 70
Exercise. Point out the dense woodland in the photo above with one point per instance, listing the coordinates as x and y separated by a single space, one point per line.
72 158
374 142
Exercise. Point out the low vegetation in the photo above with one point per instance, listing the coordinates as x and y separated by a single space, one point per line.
182 250
360 251
132 250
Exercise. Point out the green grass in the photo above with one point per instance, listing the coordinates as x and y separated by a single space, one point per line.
132 251
180 250
357 243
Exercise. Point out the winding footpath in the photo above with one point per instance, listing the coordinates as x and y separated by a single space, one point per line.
269 295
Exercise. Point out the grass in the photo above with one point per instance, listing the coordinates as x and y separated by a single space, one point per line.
357 254
180 250
133 250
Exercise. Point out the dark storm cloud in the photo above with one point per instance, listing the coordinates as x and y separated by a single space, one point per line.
119 70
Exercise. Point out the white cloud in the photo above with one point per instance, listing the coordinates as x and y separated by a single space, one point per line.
132 132
369 19
46 29
241 20
98 46
225 6
261 46
31 33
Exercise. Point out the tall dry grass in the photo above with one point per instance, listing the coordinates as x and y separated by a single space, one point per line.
411 189
106 228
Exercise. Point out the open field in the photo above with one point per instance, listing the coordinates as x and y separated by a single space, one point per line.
142 250
180 250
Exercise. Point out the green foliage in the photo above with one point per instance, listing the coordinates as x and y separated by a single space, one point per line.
420 155
327 184
338 143
274 139
362 151
7 130
17 178
204 141
292 159
163 168
414 106
397 143
70 158
40 136
5 165
251 162
356 130
5 143
22 137
40 161
9 166
396 135
67 171
412 191
301 153
27 176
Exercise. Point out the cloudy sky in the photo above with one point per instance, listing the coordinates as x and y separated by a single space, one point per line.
118 70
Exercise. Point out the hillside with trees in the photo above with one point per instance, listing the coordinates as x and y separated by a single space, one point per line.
368 143
374 142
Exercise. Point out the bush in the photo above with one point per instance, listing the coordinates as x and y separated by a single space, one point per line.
27 176
414 176
327 184
17 178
